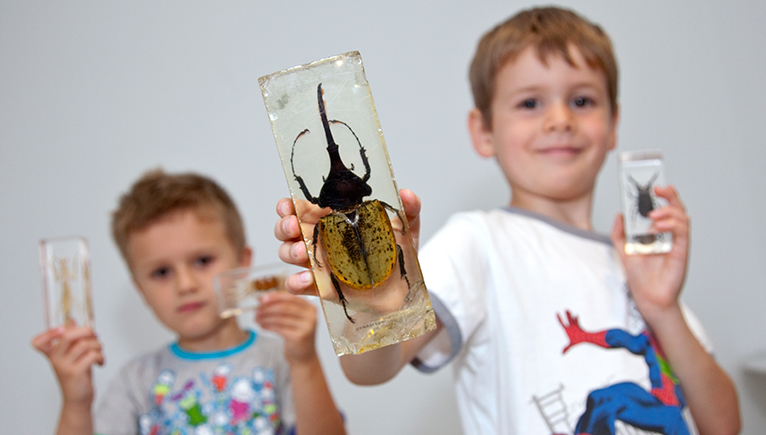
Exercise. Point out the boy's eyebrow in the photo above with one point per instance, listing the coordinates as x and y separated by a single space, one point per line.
595 84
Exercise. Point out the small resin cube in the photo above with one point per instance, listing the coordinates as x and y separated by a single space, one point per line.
640 173
65 267
239 289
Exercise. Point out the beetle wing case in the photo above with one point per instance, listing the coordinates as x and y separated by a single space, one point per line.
346 199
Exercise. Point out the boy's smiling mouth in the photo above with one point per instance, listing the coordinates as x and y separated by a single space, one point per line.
560 150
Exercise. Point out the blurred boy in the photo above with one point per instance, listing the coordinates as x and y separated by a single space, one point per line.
176 232
549 327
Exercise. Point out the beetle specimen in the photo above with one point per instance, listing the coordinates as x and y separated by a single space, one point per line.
643 205
645 202
357 236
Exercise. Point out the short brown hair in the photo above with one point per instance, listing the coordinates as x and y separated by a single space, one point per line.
549 30
157 194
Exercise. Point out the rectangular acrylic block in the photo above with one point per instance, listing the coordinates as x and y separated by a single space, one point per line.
640 172
65 268
342 185
239 290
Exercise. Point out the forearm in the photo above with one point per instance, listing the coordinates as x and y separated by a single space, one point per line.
709 392
315 409
75 419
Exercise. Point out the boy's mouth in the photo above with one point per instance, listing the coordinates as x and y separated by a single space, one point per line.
190 307
560 150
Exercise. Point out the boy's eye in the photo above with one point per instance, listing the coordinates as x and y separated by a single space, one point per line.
528 104
204 260
160 273
582 101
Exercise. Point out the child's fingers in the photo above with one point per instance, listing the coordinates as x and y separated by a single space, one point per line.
670 194
301 284
672 218
44 342
294 252
287 229
71 338
83 353
411 203
282 308
286 305
285 207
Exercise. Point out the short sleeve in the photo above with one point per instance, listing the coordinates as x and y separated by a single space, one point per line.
454 266
116 413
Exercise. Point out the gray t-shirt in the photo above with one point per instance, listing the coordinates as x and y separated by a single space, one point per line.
244 389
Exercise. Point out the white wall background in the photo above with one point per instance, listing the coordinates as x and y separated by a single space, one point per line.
94 93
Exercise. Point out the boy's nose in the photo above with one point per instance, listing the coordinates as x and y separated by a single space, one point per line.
559 117
186 280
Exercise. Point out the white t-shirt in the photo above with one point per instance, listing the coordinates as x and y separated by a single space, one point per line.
245 389
502 283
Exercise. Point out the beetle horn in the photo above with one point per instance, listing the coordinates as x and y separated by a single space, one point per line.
331 145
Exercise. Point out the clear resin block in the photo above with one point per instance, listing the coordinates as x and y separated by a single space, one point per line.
239 290
65 267
640 172
342 185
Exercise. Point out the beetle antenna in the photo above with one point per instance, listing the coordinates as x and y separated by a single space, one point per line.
298 178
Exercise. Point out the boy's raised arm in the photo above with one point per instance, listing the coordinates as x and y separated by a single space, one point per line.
655 282
72 352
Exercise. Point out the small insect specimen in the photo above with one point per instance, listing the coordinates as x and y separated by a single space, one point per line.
266 283
644 197
245 288
64 277
357 236
87 292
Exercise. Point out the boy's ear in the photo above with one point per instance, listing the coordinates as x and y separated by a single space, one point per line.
246 257
481 136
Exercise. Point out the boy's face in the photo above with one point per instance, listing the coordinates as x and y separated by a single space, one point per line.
173 262
552 127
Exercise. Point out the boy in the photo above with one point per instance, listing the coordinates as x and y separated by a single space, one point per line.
549 327
175 233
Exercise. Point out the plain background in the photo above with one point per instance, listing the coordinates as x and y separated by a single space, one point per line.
94 93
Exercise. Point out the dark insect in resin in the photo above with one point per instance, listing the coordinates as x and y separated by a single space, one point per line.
644 198
644 203
357 236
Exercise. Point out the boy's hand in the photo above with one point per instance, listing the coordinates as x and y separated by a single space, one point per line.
294 319
293 250
656 280
72 352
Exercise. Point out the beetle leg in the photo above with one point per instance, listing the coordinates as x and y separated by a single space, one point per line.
305 190
340 296
314 242
403 271
398 214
